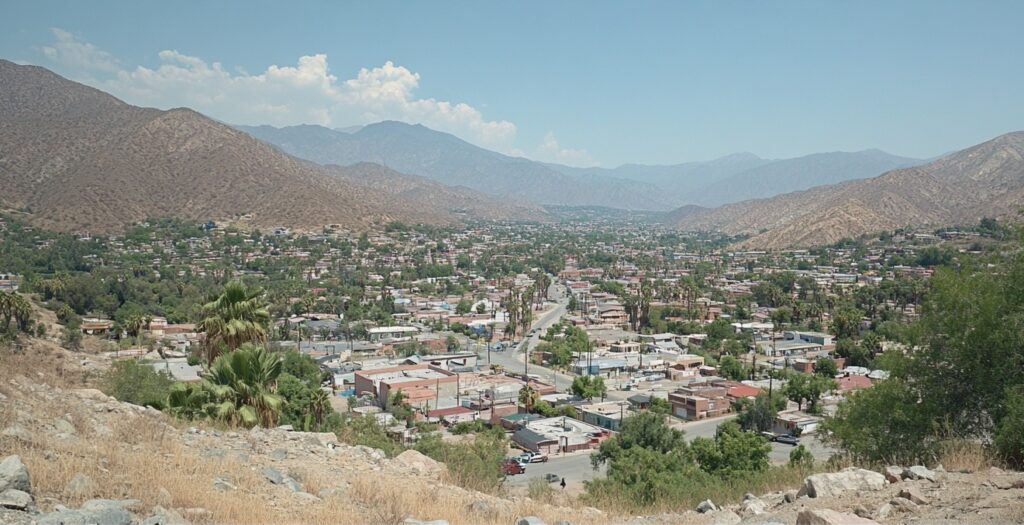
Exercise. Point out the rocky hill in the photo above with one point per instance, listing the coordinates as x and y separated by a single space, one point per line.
75 158
71 455
986 180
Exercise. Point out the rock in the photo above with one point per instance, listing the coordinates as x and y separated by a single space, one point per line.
279 454
862 511
162 516
838 483
706 506
830 517
14 475
80 487
15 517
790 496
91 394
63 426
913 494
223 485
893 474
725 517
286 428
213 453
752 506
104 516
918 472
163 497
563 522
292 484
903 504
530 520
328 492
273 475
414 521
15 499
415 461
884 511
17 432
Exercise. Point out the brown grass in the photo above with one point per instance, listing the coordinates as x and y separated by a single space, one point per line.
963 455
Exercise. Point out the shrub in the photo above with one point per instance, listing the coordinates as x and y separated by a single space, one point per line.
138 383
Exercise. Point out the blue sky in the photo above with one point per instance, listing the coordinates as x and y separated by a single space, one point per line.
582 82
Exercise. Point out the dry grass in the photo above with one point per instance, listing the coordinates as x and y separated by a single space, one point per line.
963 455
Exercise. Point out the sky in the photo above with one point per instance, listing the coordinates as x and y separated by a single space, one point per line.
585 83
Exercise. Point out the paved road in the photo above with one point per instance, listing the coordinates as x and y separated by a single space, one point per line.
780 452
575 468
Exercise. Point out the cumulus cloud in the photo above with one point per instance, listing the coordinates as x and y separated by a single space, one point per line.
283 95
551 151
306 93
78 55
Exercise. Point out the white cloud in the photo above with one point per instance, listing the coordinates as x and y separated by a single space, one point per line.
78 55
306 93
551 151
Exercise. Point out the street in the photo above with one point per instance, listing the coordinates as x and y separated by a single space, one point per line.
574 467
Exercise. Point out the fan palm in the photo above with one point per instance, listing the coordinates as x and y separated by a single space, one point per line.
528 397
237 316
245 380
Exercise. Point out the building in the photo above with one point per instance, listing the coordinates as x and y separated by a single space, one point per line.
559 434
422 385
699 401
392 332
605 415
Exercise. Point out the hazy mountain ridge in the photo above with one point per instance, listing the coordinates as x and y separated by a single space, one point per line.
75 158
450 160
986 180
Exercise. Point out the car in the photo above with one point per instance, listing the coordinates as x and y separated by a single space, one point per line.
523 458
788 439
539 458
512 467
551 477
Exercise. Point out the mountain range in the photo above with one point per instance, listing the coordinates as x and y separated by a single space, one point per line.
450 160
75 158
986 180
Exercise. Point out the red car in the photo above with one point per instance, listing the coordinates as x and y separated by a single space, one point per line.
511 467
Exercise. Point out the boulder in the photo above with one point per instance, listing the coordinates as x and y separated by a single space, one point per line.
830 517
706 506
99 516
790 496
913 494
918 472
223 485
15 499
414 521
80 487
14 475
903 504
279 454
417 462
725 517
752 506
884 511
862 511
530 520
162 516
292 484
838 483
273 475
893 474
15 517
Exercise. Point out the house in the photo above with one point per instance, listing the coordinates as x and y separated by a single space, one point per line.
453 415
422 385
687 365
850 383
699 401
93 326
794 422
605 415
559 434
392 332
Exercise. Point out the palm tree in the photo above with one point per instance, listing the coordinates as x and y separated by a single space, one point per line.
239 315
16 307
320 405
528 397
245 381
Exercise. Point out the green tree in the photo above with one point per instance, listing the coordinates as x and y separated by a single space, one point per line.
588 387
759 416
1009 435
732 368
239 315
242 386
801 457
464 306
825 367
528 397
732 451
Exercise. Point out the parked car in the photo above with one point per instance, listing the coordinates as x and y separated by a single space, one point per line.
788 439
524 457
551 477
511 467
538 458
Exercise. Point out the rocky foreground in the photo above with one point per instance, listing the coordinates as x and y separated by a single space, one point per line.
75 456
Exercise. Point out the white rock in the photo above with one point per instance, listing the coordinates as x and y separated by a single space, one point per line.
838 483
830 517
